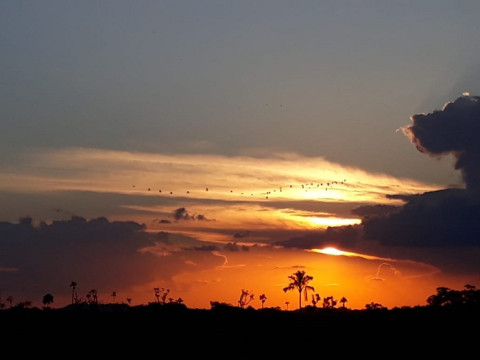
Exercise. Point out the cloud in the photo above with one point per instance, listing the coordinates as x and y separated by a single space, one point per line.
379 275
78 249
440 218
45 257
453 130
242 234
346 236
375 210
235 247
182 214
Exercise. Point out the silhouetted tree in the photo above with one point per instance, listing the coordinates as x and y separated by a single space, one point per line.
299 281
329 302
114 295
161 293
263 298
373 306
245 298
343 300
24 304
444 296
315 299
10 300
449 297
92 297
287 303
164 295
157 294
47 300
73 285
471 296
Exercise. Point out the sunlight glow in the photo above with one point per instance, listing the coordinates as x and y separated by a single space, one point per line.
333 221
336 252
216 192
332 251
280 177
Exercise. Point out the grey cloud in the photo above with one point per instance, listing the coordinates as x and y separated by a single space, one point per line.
241 234
453 130
182 214
375 210
235 247
333 236
96 253
448 217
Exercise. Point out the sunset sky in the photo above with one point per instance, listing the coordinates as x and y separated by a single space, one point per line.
210 147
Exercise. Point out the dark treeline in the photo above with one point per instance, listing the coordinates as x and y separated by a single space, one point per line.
448 322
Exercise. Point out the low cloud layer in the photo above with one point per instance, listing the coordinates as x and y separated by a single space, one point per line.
443 218
36 258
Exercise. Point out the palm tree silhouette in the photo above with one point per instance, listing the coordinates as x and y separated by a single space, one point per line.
343 300
73 284
263 298
47 300
299 280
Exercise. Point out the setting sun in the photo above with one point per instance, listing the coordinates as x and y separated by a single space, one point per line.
331 251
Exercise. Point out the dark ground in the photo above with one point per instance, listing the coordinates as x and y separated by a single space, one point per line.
167 331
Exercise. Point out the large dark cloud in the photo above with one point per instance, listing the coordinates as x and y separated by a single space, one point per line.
85 251
97 253
441 218
453 130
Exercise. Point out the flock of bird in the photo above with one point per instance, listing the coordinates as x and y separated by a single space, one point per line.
266 194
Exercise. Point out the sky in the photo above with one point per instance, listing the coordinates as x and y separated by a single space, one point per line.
211 147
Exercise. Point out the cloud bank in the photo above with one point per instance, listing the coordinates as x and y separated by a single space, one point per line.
455 130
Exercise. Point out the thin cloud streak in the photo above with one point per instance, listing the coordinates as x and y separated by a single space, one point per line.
281 176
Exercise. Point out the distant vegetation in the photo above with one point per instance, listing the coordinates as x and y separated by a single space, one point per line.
446 322
445 297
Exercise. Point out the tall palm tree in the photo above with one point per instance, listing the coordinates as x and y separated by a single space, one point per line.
299 281
73 284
